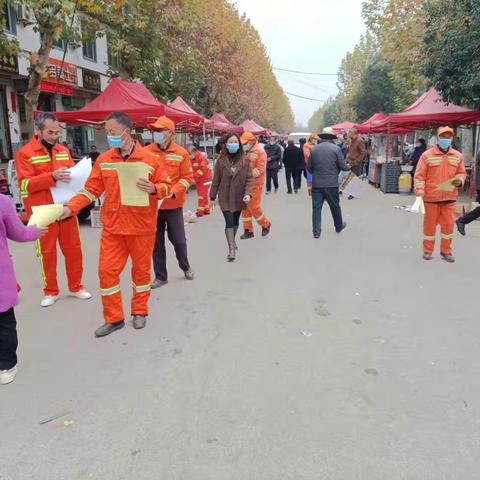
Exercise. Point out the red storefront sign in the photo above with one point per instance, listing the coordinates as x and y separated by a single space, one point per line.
65 73
54 88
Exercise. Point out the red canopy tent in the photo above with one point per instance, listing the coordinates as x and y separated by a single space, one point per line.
253 127
134 99
370 125
427 112
218 122
197 120
341 128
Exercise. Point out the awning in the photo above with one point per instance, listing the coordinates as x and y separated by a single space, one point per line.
220 123
253 127
370 126
430 111
341 128
131 98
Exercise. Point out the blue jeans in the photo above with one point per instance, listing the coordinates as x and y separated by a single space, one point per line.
331 195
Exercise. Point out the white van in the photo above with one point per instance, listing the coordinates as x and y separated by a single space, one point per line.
296 136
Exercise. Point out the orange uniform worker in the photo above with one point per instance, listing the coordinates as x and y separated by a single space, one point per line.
436 166
127 230
39 165
307 150
203 179
258 161
176 162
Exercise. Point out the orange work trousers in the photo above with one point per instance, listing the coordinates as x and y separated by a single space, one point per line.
443 215
254 211
202 192
114 252
68 236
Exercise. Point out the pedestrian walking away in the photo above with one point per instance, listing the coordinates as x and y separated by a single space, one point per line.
436 166
258 162
294 165
274 160
356 152
40 164
233 184
418 151
475 213
175 161
325 163
11 228
128 231
203 178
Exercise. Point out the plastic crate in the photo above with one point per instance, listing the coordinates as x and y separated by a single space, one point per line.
389 178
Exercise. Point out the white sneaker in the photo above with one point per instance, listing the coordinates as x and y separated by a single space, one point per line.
82 295
48 300
8 376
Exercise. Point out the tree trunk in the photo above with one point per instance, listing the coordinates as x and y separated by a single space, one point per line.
37 70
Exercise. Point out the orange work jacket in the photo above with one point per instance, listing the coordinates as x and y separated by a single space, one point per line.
34 167
435 168
258 161
175 161
201 168
116 218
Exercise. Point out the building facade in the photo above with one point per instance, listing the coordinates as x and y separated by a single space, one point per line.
76 74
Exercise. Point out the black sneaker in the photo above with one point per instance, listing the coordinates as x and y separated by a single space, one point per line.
461 227
316 235
108 328
344 226
266 230
246 235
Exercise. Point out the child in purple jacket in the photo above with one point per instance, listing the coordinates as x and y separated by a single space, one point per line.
12 228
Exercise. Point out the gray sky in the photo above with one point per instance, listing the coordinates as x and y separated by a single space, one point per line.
306 35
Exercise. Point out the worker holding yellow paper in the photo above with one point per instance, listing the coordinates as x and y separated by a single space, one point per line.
128 229
438 168
45 215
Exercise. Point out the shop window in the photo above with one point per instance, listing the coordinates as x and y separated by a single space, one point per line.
90 49
60 43
10 18
22 113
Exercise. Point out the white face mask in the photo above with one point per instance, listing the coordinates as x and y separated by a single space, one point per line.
192 156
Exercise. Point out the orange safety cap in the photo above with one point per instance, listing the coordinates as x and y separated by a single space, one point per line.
443 130
247 137
163 123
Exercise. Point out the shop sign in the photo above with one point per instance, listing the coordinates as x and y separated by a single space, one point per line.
9 63
56 88
56 72
91 80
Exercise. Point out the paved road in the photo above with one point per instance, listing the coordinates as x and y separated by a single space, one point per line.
222 385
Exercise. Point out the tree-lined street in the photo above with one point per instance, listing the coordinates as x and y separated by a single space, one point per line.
222 384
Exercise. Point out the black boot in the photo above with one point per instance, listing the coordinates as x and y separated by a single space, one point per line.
461 227
247 234
266 230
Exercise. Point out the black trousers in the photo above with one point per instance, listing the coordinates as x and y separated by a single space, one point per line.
289 176
470 216
331 195
170 221
297 179
232 219
272 174
8 340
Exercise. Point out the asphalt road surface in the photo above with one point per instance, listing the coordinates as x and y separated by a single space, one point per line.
222 384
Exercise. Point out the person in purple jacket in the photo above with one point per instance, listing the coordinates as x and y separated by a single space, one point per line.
10 228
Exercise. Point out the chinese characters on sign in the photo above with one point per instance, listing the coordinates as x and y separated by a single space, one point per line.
66 73
9 63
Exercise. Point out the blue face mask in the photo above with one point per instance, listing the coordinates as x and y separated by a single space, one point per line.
247 147
233 148
444 143
159 137
115 141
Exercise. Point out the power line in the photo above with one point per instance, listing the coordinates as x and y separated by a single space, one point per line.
305 98
305 73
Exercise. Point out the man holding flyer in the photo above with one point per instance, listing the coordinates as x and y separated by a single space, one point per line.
128 229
